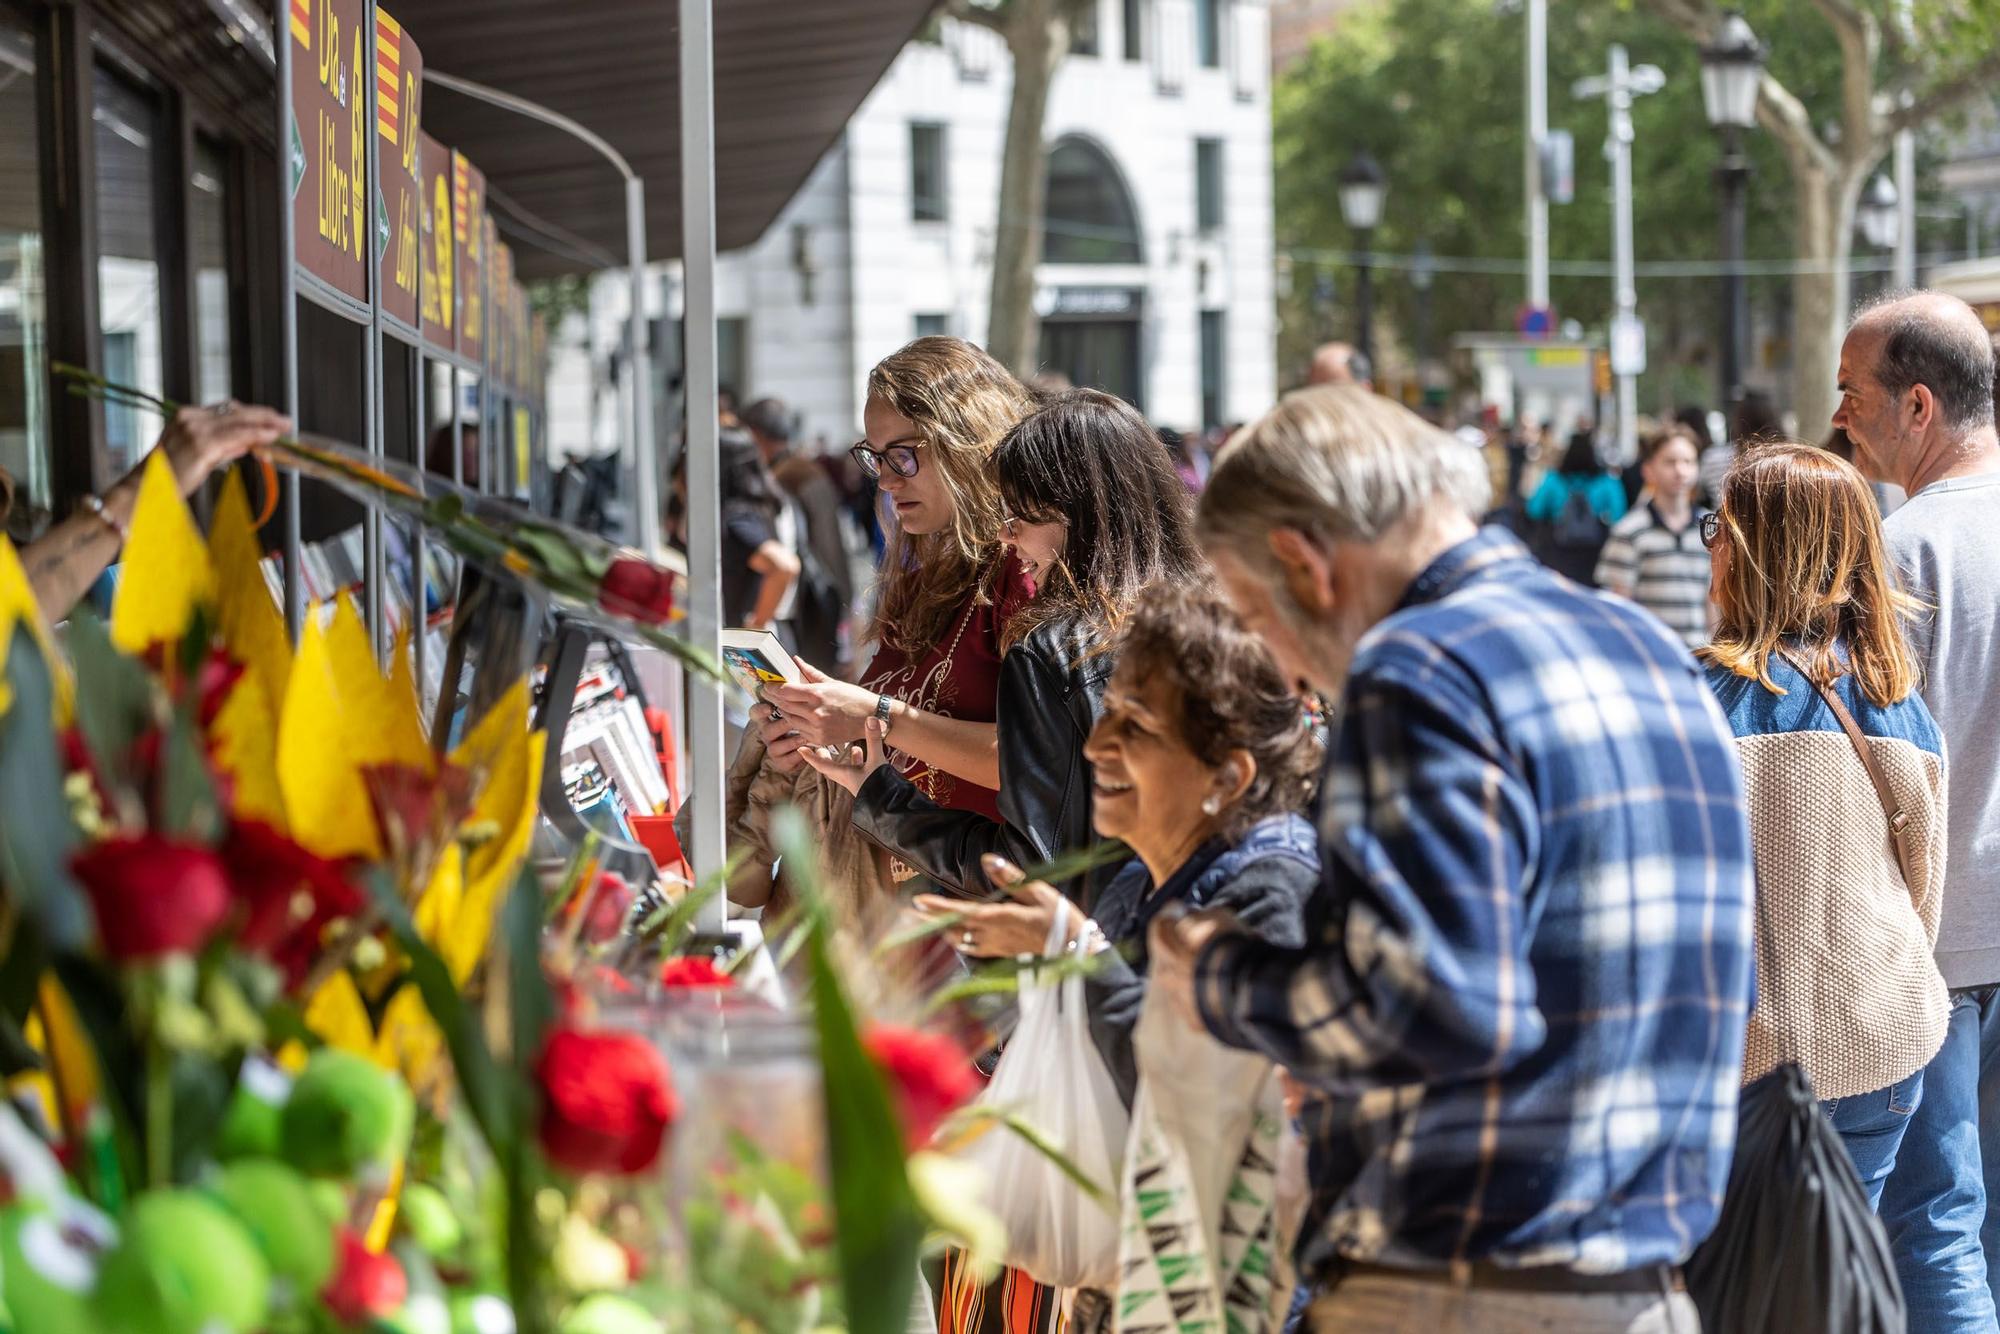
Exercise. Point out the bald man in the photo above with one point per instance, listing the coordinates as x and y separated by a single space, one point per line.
1340 363
1916 397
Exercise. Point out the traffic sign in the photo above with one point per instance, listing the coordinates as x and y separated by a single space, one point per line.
1535 321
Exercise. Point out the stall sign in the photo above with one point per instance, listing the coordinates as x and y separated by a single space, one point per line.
327 158
469 226
502 357
399 199
438 247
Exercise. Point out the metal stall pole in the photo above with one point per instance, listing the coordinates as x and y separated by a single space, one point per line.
645 445
643 458
704 549
1538 131
288 322
373 590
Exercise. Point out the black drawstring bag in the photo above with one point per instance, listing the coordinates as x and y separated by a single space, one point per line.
1797 1250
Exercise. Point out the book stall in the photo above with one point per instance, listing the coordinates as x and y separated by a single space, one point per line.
355 977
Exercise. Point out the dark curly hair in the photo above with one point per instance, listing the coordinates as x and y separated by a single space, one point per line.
1230 695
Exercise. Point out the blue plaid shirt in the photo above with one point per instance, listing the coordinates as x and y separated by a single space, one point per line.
1523 999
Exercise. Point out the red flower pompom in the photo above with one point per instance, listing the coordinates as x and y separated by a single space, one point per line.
607 1100
693 974
608 908
928 1074
637 588
364 1285
153 895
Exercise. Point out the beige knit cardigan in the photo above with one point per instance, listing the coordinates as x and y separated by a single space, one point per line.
1856 994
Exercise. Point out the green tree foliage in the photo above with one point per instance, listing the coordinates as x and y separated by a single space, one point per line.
1434 89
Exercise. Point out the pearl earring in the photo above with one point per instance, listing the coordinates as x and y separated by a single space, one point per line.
1211 805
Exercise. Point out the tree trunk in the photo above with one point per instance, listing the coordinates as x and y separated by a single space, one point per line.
1820 300
1037 38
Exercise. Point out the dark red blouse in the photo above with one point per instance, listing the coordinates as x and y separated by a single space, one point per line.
959 677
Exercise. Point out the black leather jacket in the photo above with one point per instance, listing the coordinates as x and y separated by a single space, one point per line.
1051 691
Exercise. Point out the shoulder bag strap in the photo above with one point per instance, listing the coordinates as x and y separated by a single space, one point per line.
1898 819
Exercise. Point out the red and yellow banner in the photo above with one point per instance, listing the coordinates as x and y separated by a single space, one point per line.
326 161
399 198
468 211
438 244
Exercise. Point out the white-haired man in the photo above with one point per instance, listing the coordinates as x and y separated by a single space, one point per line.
1523 997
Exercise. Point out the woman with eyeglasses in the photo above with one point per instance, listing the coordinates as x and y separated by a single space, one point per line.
1095 513
934 411
1810 664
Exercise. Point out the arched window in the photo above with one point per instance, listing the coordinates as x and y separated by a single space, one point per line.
1089 214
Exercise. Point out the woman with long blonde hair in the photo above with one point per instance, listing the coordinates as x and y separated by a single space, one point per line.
1844 771
947 589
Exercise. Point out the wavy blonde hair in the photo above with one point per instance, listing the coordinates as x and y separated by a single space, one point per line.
1807 569
962 402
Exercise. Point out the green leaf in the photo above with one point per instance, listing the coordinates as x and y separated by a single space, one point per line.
981 1114
114 698
491 1092
188 803
1004 979
879 1227
552 550
670 926
102 1011
445 510
36 835
533 1008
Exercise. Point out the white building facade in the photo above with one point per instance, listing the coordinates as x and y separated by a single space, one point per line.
1157 275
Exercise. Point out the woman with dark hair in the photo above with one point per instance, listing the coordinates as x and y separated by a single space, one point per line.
1573 509
1096 513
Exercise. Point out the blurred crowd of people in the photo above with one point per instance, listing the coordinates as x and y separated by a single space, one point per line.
1528 813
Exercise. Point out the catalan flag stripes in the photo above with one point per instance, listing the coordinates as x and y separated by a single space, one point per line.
302 23
459 187
388 74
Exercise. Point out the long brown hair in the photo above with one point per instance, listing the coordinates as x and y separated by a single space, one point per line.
1807 569
1092 461
961 401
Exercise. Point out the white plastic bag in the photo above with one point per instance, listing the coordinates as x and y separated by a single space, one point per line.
1052 1077
1203 1244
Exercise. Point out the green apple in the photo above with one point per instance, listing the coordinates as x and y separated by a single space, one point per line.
608 1313
184 1265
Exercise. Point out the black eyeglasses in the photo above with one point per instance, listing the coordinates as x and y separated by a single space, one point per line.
901 459
1711 528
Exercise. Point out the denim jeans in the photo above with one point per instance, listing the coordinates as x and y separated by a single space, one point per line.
1933 1204
1871 1127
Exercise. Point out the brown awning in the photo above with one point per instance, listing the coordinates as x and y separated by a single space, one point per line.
788 74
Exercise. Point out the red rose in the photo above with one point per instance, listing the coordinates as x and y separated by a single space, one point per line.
285 896
607 1100
693 974
153 895
929 1076
364 1284
637 588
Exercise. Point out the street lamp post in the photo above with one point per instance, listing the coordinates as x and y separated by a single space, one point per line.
1423 272
1363 188
1879 217
1732 67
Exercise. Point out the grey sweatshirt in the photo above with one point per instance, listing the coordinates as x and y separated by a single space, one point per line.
1946 542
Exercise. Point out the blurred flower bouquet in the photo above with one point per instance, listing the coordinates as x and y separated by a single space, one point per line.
298 1045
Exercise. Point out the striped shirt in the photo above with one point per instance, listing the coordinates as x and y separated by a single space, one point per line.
1664 571
1528 963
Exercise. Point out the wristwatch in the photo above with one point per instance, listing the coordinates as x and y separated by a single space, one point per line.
882 712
